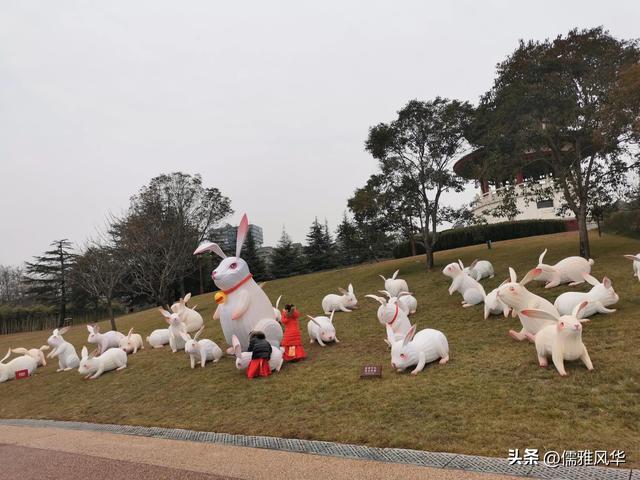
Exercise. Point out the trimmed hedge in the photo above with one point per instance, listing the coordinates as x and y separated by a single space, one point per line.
15 319
476 234
624 222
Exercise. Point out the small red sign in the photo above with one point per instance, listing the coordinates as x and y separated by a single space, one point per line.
371 371
22 374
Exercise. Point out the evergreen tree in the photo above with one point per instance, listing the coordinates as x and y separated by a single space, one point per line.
48 277
287 259
319 249
256 263
349 244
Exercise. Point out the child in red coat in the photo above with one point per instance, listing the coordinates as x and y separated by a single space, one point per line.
292 339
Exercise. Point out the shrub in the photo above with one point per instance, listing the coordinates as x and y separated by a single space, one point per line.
624 222
476 234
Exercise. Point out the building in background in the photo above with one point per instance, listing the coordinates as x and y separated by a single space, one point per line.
491 189
225 236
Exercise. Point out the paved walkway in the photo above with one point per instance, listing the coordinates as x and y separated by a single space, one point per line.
55 449
36 453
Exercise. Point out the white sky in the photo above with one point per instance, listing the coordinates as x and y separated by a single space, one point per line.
269 101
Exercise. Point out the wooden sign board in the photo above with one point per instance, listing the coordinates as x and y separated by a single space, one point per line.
22 374
371 371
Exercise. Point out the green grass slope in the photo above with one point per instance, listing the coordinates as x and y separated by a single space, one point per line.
492 395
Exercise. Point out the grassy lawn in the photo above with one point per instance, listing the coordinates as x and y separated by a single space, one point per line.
492 396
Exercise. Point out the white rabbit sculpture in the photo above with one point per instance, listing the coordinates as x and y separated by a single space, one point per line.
471 290
345 302
36 353
192 320
636 264
405 300
395 285
321 330
562 339
601 296
159 338
242 305
391 315
568 270
276 310
93 366
132 342
201 351
24 362
66 353
105 340
176 329
493 305
518 298
417 349
479 269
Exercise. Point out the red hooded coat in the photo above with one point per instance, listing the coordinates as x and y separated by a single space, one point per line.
292 339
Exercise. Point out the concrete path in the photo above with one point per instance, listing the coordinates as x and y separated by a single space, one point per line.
37 453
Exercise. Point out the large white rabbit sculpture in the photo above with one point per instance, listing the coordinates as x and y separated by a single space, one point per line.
243 306
518 298
192 320
568 270
562 339
394 285
66 353
601 296
472 292
636 264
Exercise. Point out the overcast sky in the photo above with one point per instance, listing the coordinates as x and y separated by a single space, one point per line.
269 101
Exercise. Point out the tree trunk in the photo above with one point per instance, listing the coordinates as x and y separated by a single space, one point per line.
412 242
585 249
111 317
428 250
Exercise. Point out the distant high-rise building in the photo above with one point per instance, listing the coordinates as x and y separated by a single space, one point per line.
225 236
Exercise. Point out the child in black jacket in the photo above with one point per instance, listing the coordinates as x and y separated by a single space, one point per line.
260 355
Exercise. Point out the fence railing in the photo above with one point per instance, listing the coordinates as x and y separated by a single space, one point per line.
25 321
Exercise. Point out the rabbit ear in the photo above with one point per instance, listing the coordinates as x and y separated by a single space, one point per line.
130 332
409 336
209 247
243 228
164 312
22 351
6 356
402 294
383 301
342 290
381 291
578 309
56 332
350 288
314 320
96 328
539 314
44 347
237 348
541 257
531 274
590 279
90 328
185 336
461 264
395 274
382 277
63 330
331 316
84 352
606 282
473 264
195 337
278 301
187 297
512 275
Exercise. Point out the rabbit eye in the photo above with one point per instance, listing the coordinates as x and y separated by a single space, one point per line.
233 265
402 355
562 324
511 289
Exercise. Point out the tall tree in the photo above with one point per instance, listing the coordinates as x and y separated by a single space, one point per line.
166 221
349 244
570 103
99 272
287 260
319 249
254 260
47 277
12 289
419 148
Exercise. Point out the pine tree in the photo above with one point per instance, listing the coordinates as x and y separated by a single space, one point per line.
287 259
48 277
319 249
349 244
256 263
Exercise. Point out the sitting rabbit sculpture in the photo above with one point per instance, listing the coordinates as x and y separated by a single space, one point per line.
472 292
242 305
636 264
394 285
